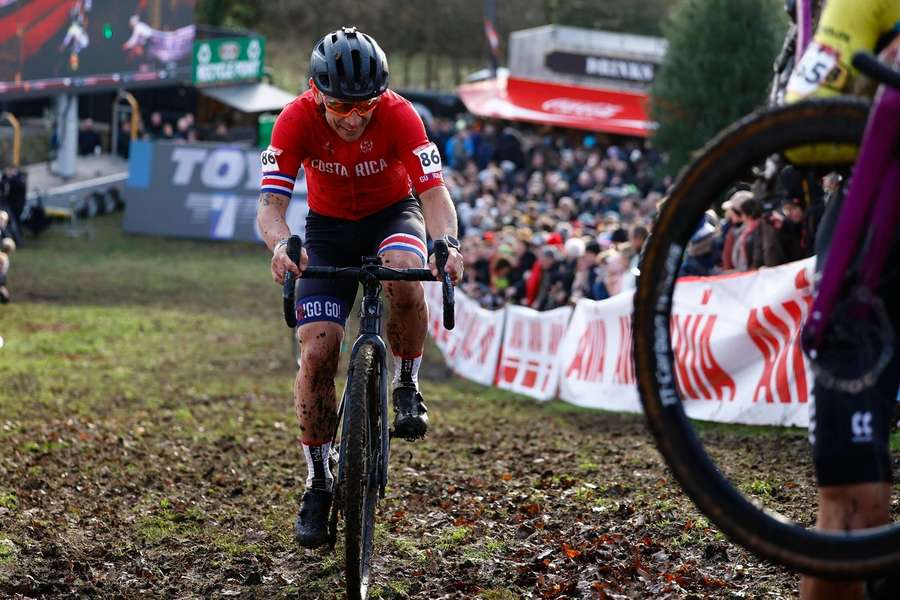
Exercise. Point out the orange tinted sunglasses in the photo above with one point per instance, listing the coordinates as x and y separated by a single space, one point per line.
343 108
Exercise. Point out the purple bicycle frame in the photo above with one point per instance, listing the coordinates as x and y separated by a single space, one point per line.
873 196
804 25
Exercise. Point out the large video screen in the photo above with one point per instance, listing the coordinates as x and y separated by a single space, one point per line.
49 46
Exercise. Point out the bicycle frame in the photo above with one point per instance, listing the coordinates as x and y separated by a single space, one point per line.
370 332
804 25
872 196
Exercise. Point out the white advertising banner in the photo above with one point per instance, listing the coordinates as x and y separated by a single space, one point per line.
528 357
471 349
596 368
736 343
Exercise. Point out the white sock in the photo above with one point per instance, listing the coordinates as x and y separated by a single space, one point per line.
406 371
318 470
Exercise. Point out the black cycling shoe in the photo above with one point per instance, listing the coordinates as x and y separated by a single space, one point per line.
311 528
410 414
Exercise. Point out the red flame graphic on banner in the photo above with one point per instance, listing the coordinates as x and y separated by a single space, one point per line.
778 338
625 363
700 377
587 364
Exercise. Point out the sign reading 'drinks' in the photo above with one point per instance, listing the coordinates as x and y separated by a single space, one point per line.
602 67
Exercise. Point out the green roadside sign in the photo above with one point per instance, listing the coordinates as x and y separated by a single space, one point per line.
222 60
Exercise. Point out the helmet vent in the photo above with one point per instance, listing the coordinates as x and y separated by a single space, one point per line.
357 64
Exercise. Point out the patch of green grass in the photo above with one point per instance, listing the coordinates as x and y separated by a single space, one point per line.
741 430
42 447
498 594
199 327
7 550
280 524
155 528
9 500
183 415
759 487
233 546
165 522
665 505
451 537
486 549
407 548
393 590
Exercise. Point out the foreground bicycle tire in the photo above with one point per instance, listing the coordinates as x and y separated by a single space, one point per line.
722 162
361 460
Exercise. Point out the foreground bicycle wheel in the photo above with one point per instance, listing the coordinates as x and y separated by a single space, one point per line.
361 460
735 155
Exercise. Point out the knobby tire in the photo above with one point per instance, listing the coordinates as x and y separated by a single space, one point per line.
362 451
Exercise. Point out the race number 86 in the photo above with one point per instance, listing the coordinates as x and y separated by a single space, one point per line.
428 160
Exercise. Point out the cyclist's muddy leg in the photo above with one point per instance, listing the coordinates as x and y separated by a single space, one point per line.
314 395
843 508
409 317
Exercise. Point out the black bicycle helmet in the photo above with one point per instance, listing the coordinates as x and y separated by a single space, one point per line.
349 65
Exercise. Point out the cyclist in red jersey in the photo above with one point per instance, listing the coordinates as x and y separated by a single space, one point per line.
364 150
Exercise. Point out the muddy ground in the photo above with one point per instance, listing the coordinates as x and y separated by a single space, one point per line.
148 449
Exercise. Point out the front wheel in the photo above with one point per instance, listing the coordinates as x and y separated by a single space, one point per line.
362 454
739 154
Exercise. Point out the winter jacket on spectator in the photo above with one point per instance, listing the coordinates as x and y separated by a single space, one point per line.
764 247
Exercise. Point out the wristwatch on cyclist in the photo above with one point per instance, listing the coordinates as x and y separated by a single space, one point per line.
452 242
280 244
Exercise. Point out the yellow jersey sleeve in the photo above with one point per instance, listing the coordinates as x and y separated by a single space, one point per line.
846 27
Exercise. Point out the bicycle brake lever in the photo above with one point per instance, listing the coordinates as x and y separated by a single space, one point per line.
441 254
294 248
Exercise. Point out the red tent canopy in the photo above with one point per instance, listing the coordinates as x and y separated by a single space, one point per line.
594 109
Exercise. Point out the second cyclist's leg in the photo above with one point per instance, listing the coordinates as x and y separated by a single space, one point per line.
851 451
845 508
315 405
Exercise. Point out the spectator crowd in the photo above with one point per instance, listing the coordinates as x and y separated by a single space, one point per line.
549 216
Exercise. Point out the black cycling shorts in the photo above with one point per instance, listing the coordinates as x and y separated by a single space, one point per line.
850 433
335 242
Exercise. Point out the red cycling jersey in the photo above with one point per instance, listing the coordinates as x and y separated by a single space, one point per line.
351 180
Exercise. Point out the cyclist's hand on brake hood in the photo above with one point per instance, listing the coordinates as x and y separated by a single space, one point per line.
281 262
454 266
